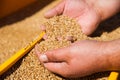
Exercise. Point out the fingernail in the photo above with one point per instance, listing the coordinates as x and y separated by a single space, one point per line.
69 38
45 37
47 14
59 38
43 58
43 28
45 65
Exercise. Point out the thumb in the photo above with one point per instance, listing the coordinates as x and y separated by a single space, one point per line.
56 10
57 55
59 68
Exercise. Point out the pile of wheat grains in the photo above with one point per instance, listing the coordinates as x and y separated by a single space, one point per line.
60 31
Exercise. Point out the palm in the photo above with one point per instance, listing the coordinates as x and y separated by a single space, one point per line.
84 13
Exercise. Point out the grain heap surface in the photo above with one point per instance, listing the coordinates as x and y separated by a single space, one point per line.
57 32
62 27
61 31
20 28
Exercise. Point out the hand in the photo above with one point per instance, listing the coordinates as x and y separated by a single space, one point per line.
82 10
79 59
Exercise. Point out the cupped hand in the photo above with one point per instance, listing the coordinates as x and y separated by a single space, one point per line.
83 11
79 59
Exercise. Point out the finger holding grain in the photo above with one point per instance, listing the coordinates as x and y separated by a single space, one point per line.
42 27
61 31
59 38
63 28
69 38
45 37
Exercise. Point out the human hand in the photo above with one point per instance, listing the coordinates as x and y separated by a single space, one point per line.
79 59
82 10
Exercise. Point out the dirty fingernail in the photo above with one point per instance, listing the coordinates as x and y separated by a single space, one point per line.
43 58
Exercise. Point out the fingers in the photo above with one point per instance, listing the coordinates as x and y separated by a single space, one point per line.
58 55
69 38
45 37
55 60
59 68
42 57
88 22
56 10
43 28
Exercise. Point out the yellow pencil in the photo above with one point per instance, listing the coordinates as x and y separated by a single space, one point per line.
12 60
113 76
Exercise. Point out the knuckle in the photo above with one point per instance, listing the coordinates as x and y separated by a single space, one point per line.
52 56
